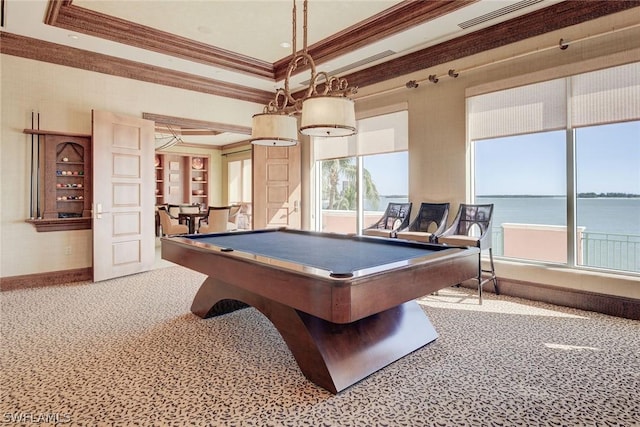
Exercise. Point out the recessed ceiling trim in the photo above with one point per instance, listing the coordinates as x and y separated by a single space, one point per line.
552 18
404 15
396 19
181 122
357 64
40 50
96 24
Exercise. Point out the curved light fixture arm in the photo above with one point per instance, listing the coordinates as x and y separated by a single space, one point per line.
284 102
328 111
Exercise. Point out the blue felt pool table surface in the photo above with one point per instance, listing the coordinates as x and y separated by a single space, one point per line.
332 253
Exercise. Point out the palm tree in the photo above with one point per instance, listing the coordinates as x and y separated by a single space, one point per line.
345 171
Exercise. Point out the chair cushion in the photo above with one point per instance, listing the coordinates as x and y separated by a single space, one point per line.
418 236
459 240
178 229
377 232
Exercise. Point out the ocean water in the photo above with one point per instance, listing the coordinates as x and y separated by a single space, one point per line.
601 215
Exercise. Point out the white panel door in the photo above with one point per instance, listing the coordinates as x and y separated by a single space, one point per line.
276 187
123 195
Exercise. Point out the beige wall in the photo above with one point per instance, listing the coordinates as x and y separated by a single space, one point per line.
65 97
439 161
438 166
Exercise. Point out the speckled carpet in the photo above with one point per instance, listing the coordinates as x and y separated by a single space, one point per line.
128 352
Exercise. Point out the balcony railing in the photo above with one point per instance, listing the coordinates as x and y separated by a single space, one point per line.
533 242
601 250
614 251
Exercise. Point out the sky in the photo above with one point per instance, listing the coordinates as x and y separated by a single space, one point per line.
608 160
389 172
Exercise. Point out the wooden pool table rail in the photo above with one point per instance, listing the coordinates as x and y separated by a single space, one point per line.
339 330
337 300
333 356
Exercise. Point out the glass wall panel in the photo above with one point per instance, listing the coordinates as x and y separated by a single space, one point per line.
239 191
520 164
234 179
525 178
361 174
338 195
608 196
385 180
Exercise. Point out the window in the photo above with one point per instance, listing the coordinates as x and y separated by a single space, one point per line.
560 160
338 197
385 180
239 190
239 178
525 178
358 176
608 190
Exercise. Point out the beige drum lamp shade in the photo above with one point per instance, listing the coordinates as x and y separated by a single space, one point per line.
274 130
328 116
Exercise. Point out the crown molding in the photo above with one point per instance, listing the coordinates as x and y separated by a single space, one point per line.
401 17
196 124
39 50
404 15
63 14
552 18
558 16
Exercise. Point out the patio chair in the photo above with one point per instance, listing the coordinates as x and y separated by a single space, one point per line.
395 218
428 224
472 227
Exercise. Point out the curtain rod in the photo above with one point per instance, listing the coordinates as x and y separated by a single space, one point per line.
453 73
237 152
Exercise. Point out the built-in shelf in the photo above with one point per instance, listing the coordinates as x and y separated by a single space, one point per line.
61 180
180 177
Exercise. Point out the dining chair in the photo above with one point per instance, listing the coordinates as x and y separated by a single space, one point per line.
170 225
217 220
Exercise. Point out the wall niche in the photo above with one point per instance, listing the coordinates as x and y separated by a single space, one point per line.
61 188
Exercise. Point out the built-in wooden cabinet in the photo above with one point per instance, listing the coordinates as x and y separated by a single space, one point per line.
61 181
67 177
199 180
182 179
159 165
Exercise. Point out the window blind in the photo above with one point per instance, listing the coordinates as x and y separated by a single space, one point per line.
376 135
606 96
594 98
527 109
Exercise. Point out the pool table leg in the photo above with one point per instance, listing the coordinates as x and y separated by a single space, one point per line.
333 356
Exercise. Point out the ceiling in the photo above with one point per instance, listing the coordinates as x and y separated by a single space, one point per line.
234 47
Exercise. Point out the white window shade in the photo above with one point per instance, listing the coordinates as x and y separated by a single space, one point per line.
376 135
606 96
526 109
234 178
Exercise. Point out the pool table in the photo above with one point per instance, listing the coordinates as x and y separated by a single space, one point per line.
344 305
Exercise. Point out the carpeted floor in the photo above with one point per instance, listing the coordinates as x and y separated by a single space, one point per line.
128 352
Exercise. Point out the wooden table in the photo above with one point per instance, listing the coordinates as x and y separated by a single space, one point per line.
190 219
